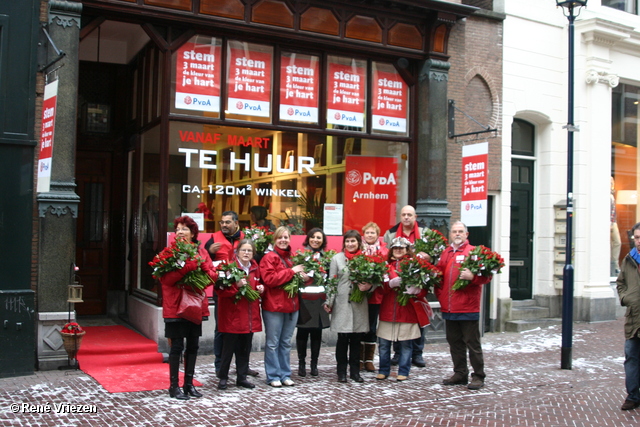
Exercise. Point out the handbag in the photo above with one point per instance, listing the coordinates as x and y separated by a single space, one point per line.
190 305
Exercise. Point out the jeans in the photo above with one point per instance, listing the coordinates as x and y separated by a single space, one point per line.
417 346
632 368
278 329
404 364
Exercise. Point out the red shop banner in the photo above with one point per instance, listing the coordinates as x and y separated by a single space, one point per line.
249 79
371 185
389 101
475 172
299 88
198 77
345 93
46 136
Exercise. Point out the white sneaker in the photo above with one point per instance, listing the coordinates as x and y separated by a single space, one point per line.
288 382
275 383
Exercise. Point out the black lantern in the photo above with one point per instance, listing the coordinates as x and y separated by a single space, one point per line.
570 7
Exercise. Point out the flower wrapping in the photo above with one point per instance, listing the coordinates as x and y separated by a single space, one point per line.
174 257
416 272
481 261
229 273
313 268
365 269
262 237
433 243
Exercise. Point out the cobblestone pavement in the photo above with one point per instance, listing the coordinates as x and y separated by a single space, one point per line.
525 387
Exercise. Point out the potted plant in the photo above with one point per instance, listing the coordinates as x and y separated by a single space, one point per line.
72 334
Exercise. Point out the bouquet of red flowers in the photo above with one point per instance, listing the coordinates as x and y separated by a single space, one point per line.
365 269
416 272
174 257
432 243
482 261
262 237
312 267
72 328
228 274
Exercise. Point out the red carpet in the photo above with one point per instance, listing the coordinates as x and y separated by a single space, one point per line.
122 360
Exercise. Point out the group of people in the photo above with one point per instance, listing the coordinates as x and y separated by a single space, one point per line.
359 325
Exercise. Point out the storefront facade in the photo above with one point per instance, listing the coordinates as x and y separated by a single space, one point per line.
605 159
202 107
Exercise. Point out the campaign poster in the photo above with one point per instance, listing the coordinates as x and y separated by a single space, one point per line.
389 100
475 170
299 87
46 137
249 79
371 185
346 85
198 75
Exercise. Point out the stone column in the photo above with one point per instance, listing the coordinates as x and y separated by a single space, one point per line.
431 196
58 208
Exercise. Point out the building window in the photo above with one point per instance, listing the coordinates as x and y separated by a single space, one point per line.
625 164
630 6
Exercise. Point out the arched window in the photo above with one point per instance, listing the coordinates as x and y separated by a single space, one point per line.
522 138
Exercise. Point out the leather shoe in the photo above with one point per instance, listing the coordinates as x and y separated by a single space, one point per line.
419 363
253 373
456 379
222 384
629 405
314 370
476 384
357 378
342 378
245 384
190 390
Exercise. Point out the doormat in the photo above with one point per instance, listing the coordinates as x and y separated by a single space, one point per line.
122 360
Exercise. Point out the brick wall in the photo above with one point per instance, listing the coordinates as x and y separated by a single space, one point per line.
475 83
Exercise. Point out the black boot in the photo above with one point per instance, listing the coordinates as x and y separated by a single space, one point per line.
301 346
315 353
174 368
189 369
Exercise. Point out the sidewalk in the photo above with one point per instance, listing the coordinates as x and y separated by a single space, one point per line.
525 387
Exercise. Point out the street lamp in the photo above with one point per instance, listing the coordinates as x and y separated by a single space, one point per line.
569 8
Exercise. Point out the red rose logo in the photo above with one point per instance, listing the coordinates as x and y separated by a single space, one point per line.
381 121
337 116
467 207
353 177
187 100
290 111
239 105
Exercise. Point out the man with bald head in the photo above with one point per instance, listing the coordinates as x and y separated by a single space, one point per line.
408 228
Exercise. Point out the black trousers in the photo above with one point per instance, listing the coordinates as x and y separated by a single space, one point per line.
463 336
240 346
348 352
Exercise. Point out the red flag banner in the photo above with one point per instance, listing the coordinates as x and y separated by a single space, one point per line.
346 89
475 170
46 136
249 79
299 87
370 191
198 76
389 100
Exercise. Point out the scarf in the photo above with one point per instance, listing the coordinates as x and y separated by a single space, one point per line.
415 232
350 255
285 255
635 255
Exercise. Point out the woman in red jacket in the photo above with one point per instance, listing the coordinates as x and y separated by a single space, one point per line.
279 311
239 318
176 328
397 323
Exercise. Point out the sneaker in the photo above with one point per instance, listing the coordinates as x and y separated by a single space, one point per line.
288 382
629 405
456 379
476 384
401 377
275 383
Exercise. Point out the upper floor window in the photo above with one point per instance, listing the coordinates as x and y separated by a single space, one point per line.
630 6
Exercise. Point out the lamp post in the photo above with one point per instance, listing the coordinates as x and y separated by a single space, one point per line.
570 7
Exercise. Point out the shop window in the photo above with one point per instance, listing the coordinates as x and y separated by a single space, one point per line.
299 88
389 101
522 138
630 6
346 89
625 164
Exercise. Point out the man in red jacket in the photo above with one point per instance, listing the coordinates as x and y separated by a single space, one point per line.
222 247
461 310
